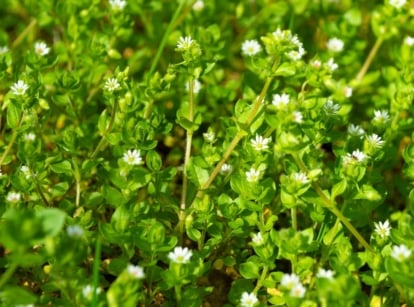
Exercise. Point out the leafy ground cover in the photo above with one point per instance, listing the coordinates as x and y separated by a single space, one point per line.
206 153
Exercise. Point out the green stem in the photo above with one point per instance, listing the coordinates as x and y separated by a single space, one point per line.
369 60
240 134
8 274
107 131
96 263
261 279
330 205
177 293
12 140
76 174
25 32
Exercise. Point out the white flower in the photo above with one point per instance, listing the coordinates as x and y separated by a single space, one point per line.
30 136
400 252
19 88
4 50
26 171
248 299
118 5
328 274
252 175
355 130
300 178
331 65
74 231
290 280
198 5
225 168
375 141
297 117
335 45
280 101
209 136
316 64
298 290
383 228
330 108
87 291
111 85
136 271
381 117
184 43
132 157
180 255
258 239
409 41
348 91
397 3
41 48
13 197
356 156
296 55
260 143
196 86
251 47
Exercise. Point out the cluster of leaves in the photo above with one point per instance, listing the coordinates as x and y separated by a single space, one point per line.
224 152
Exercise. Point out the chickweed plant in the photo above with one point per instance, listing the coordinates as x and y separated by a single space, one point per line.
207 153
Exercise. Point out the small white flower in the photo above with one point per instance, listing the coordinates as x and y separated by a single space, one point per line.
209 136
13 197
397 3
248 299
4 50
111 85
300 178
400 252
375 141
19 88
381 117
290 280
87 291
331 65
258 239
335 45
252 175
196 86
180 255
30 136
280 101
225 168
355 157
26 171
74 231
136 271
383 228
132 157
297 117
348 91
409 41
198 5
298 290
330 108
184 43
355 130
296 55
260 143
316 64
251 47
41 48
328 274
117 5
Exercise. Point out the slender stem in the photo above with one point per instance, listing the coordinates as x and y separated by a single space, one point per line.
40 192
294 217
12 140
108 130
330 205
22 35
240 134
8 274
96 263
369 59
187 156
76 174
177 293
262 277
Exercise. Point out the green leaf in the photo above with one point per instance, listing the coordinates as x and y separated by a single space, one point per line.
13 296
339 188
64 167
286 70
52 220
153 160
13 115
